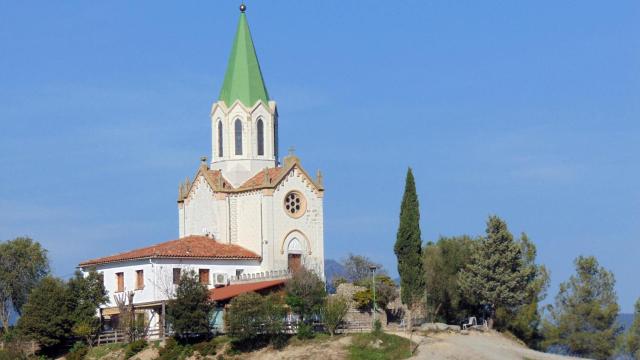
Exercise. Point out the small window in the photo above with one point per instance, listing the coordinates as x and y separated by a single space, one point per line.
239 273
139 279
176 276
203 275
238 137
120 282
220 143
260 127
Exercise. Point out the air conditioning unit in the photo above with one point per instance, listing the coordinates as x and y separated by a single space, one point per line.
220 279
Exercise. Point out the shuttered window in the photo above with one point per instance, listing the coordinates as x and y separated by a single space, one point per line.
176 276
139 279
120 282
203 275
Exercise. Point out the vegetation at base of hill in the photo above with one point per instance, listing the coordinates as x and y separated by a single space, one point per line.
98 352
583 320
408 246
379 346
189 312
23 263
135 347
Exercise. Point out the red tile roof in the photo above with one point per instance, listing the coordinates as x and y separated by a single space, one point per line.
258 179
227 292
194 247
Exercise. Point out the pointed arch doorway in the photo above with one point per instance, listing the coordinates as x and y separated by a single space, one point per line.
294 255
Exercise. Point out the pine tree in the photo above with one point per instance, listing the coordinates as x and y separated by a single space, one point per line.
583 320
408 247
495 275
632 337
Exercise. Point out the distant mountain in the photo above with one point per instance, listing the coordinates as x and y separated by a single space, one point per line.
332 270
625 320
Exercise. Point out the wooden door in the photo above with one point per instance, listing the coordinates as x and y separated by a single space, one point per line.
295 262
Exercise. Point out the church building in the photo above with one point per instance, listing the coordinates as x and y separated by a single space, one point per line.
245 221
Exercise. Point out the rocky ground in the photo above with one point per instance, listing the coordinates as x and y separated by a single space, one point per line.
488 345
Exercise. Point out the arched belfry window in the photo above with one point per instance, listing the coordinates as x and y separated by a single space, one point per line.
220 144
260 127
238 131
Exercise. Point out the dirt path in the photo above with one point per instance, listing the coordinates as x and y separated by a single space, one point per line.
326 350
481 346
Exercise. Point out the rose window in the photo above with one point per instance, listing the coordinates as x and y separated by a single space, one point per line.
295 204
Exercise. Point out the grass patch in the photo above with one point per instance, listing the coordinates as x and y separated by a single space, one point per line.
98 352
380 346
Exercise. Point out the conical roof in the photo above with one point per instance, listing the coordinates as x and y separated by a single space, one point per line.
243 80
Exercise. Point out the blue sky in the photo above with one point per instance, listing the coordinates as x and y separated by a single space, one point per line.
528 110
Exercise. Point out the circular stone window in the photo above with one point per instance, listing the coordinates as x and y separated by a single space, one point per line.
295 204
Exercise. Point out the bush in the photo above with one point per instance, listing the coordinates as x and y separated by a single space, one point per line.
206 348
305 331
11 354
333 312
279 341
78 351
134 348
377 327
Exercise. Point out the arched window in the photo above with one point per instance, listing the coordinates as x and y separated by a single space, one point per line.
260 126
220 144
238 130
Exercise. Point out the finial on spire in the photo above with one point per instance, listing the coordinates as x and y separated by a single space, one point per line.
243 7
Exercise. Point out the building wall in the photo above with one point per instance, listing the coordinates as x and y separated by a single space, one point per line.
308 229
200 211
158 275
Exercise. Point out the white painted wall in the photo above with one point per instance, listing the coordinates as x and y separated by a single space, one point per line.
158 275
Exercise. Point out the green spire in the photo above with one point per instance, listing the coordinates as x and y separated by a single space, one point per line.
243 80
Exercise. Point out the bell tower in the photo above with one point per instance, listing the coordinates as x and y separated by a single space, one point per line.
243 119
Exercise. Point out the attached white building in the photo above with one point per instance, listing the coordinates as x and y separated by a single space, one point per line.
245 221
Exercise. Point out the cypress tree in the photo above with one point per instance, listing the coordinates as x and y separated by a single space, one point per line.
408 247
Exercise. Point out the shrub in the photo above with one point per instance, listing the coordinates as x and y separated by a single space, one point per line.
78 351
305 331
377 327
279 341
333 312
135 347
206 348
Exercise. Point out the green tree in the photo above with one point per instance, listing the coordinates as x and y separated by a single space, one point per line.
46 317
305 293
496 275
23 263
86 294
525 321
583 319
244 316
443 262
631 339
386 292
189 312
408 246
333 312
